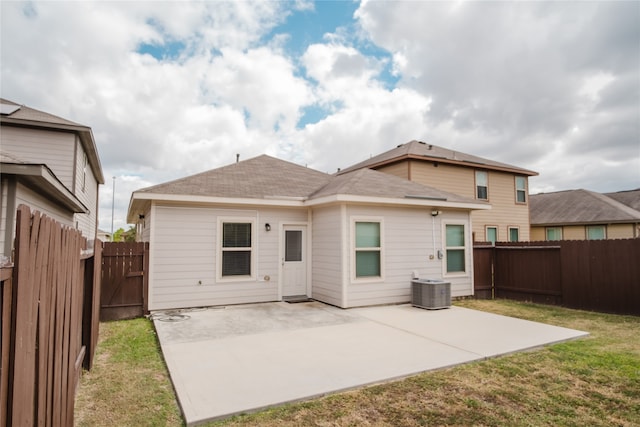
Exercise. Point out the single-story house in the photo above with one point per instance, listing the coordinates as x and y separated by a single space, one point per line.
265 229
585 215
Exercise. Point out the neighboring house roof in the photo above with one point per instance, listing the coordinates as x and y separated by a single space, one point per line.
578 207
630 198
15 114
271 181
418 150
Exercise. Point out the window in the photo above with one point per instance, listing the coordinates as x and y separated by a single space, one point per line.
236 249
514 234
455 248
492 234
293 246
596 232
84 172
521 189
482 191
368 248
554 233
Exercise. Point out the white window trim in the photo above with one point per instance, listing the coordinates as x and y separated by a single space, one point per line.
241 220
546 233
352 253
525 189
467 245
604 231
513 227
486 232
486 174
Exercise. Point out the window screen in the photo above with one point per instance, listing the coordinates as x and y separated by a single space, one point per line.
236 249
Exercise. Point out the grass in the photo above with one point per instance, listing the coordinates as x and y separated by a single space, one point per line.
129 384
593 381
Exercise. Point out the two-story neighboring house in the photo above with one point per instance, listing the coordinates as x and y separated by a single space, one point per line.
504 186
50 164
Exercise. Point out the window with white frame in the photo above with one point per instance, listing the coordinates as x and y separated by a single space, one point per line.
236 249
482 185
521 189
554 233
596 232
514 234
368 249
492 234
455 248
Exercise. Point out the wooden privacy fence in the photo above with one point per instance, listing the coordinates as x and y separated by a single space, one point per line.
599 275
49 322
124 280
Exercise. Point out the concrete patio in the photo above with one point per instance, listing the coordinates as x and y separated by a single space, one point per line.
238 359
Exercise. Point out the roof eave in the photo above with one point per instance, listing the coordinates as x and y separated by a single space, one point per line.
41 178
394 201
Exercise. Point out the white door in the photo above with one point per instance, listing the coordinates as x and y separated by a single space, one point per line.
294 264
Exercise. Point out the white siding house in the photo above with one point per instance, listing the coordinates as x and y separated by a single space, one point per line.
265 230
50 164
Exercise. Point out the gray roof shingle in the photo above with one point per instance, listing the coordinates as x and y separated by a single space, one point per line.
429 152
578 207
267 177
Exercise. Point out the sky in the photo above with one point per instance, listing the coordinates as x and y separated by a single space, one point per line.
175 88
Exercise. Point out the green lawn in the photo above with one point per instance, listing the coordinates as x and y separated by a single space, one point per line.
592 381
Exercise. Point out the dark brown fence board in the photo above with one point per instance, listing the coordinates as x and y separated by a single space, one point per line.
42 322
516 279
483 271
599 275
124 280
6 275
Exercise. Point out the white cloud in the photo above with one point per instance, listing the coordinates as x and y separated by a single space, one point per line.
504 80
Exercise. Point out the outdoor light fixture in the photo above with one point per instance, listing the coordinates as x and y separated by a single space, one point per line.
267 227
435 213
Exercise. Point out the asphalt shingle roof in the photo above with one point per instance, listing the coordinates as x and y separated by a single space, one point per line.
429 152
630 198
31 114
267 177
578 207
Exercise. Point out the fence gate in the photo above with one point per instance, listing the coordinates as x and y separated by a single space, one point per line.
124 280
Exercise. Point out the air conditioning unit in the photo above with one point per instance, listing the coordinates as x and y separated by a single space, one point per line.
430 294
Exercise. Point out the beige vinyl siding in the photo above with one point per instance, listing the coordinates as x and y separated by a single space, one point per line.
538 234
504 212
55 149
327 270
184 242
408 244
574 232
401 170
620 231
455 179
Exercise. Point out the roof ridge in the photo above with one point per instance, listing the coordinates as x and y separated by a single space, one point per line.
614 203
